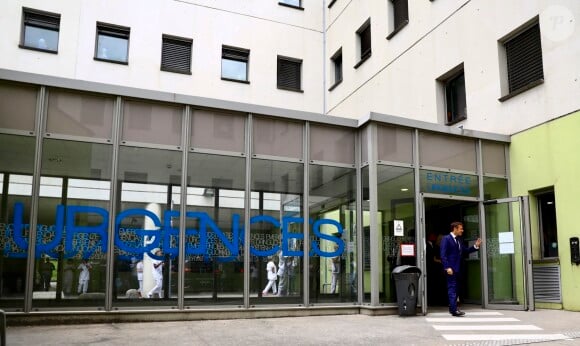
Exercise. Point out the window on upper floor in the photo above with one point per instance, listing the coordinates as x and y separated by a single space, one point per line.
400 16
364 42
235 64
336 60
40 30
112 43
523 60
291 3
455 103
331 3
289 74
176 54
451 97
547 223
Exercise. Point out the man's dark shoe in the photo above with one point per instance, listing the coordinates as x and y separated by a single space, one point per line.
458 313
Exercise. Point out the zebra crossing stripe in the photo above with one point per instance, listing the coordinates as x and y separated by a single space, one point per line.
471 319
470 313
488 327
496 337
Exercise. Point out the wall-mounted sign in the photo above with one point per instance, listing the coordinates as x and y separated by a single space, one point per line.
407 250
506 243
399 228
449 183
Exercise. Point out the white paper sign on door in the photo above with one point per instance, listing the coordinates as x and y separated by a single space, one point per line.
398 227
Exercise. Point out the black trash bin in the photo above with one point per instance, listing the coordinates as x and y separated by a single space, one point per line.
407 286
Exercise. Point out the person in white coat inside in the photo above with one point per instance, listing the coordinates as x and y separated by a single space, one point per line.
157 271
84 276
272 277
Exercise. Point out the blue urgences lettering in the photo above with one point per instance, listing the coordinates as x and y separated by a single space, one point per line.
204 239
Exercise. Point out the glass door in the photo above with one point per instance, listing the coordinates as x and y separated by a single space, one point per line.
507 255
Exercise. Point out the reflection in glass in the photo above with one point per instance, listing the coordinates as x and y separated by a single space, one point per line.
234 69
16 165
276 232
494 188
365 266
147 227
291 2
396 192
504 254
112 48
41 38
71 241
333 270
214 257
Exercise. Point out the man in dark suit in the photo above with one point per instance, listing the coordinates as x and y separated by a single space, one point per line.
452 251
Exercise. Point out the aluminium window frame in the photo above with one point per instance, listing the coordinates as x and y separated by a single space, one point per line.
506 92
31 12
112 30
364 55
336 81
244 56
447 86
299 62
180 40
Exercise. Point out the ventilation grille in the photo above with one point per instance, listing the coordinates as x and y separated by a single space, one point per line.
547 283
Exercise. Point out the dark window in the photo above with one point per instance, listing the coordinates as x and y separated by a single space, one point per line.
365 42
456 107
112 43
400 13
337 67
364 37
524 59
289 71
176 54
548 228
40 30
400 18
235 63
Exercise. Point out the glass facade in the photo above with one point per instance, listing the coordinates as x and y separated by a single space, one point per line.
136 204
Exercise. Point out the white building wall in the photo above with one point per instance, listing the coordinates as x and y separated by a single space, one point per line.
400 77
264 27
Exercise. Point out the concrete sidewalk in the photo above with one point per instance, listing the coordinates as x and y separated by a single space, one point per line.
316 330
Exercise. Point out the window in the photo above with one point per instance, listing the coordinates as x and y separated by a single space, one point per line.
548 228
291 3
40 30
235 64
331 3
364 42
337 68
176 54
523 54
456 107
400 10
289 73
112 43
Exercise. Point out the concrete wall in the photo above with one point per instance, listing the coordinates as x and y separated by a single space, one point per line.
400 76
547 156
264 27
